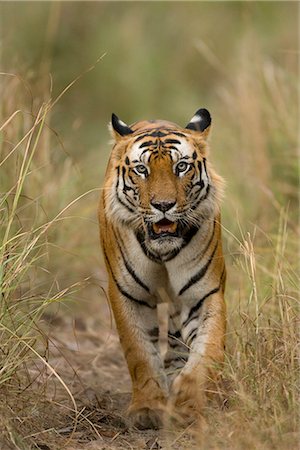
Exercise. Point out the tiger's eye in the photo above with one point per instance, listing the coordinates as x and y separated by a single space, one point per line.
141 169
182 166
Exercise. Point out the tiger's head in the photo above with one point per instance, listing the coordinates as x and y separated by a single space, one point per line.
160 183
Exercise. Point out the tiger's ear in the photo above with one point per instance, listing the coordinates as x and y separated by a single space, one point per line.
118 127
201 122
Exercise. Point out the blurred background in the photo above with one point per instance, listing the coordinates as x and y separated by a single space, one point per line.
65 67
81 61
158 60
143 61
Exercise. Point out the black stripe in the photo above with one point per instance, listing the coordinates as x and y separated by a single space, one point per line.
168 362
127 265
223 274
207 245
198 305
123 292
154 332
140 235
175 344
133 274
139 138
175 339
117 194
125 187
132 181
124 204
143 152
157 134
150 132
201 199
195 278
190 234
205 168
200 182
223 278
176 334
211 238
171 141
206 316
177 133
118 175
191 336
147 144
206 194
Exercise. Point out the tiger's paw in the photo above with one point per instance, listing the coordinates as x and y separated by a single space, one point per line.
145 418
186 401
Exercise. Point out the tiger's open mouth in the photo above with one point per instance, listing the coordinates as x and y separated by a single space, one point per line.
163 228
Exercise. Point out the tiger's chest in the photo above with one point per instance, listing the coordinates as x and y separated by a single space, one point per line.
145 275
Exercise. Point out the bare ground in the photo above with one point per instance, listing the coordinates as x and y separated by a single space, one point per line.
79 400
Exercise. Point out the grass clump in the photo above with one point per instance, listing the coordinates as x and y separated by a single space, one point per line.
24 251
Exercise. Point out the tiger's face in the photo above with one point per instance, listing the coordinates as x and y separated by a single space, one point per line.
162 185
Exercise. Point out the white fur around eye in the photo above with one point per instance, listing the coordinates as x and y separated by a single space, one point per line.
141 170
181 168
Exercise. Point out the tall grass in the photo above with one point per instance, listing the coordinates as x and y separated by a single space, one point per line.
261 366
24 248
21 246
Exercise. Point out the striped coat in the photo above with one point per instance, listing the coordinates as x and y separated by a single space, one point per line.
160 229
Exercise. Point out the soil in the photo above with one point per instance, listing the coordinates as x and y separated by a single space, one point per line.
89 370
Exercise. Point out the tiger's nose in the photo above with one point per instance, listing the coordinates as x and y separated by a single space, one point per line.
163 206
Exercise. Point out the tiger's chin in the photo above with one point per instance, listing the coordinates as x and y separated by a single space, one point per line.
164 238
166 246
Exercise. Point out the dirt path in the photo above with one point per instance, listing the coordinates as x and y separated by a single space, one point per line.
77 400
85 352
76 396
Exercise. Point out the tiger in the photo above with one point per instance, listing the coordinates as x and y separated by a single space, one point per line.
160 231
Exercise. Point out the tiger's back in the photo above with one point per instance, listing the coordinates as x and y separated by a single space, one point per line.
160 228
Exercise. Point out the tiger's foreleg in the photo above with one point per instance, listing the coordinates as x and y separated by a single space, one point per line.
138 331
204 333
177 354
